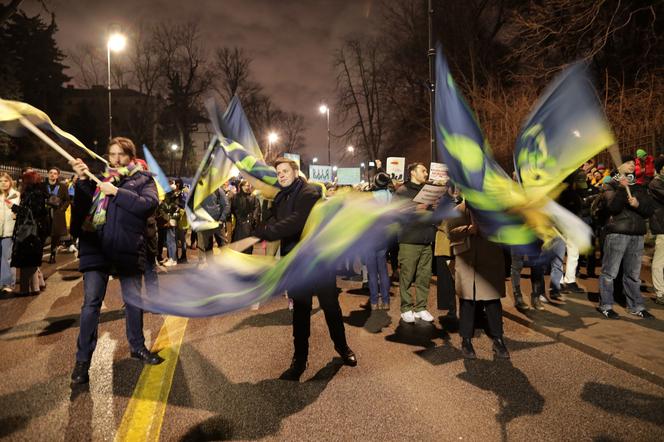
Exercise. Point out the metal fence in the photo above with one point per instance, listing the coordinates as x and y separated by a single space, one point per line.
16 172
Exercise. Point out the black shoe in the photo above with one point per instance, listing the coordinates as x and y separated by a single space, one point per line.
147 357
572 287
556 296
519 304
348 356
467 349
645 314
80 373
610 314
659 300
182 261
294 372
499 349
51 259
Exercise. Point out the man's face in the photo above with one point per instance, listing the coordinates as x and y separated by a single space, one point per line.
53 175
419 175
628 167
117 157
285 174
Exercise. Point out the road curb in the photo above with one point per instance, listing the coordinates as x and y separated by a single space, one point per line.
614 359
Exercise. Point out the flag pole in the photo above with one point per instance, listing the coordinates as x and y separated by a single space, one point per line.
35 130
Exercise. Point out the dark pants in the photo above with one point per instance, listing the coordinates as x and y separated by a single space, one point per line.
377 276
55 242
445 286
161 242
94 287
494 316
328 299
151 277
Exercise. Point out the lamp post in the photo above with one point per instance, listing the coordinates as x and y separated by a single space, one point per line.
116 42
324 109
362 170
272 138
314 160
174 147
351 150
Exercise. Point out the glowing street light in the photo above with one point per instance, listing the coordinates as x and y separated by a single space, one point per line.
350 149
314 160
361 164
272 138
173 148
334 168
116 42
324 109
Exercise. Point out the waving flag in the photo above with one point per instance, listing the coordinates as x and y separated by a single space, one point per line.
163 186
12 111
235 125
488 190
565 129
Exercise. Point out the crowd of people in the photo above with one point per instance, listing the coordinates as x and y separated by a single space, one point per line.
123 230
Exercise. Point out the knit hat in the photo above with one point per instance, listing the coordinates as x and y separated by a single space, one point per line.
381 180
640 153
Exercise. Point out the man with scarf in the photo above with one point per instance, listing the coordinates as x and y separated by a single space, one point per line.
110 221
288 216
628 205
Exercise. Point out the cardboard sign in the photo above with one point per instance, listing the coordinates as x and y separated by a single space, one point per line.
295 157
320 173
438 172
429 194
348 175
395 168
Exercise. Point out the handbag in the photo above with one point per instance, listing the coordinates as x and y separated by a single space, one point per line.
27 228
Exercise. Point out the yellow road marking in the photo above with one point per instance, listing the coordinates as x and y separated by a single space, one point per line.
145 412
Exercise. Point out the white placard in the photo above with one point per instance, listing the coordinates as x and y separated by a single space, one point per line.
438 172
429 194
395 167
348 175
320 173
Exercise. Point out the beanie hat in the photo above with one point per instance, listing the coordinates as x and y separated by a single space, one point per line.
381 180
640 153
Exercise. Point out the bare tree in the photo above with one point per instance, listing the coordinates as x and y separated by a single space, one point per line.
292 126
233 69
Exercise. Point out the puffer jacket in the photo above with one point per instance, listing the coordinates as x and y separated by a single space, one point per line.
7 219
415 233
119 246
623 218
656 188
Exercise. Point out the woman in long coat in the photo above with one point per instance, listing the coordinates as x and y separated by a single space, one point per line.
479 281
246 209
57 203
30 232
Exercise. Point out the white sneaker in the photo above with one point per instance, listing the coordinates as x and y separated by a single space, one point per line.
424 316
72 249
408 316
170 262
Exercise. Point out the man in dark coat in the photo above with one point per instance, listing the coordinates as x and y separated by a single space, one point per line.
57 202
656 188
628 205
289 214
110 221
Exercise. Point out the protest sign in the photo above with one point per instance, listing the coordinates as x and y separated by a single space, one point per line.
320 173
395 168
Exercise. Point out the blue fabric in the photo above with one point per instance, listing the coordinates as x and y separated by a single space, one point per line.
7 274
171 245
377 275
627 249
94 288
557 254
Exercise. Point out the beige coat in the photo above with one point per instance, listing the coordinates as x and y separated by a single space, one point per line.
480 264
7 217
442 245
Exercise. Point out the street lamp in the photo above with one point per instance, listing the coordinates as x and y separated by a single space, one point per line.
116 42
174 147
272 138
334 168
324 109
314 160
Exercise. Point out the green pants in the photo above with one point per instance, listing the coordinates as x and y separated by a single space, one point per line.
415 263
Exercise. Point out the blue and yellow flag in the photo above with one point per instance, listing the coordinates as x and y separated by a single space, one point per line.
487 189
12 111
235 125
160 178
566 128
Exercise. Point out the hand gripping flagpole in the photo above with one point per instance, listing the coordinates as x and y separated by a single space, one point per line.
615 156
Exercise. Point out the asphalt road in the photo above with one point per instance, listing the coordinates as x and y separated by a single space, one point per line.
411 382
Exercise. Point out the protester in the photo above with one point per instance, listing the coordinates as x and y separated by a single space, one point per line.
415 253
111 222
625 230
216 204
170 209
246 210
8 196
30 232
644 167
58 202
656 188
479 281
290 211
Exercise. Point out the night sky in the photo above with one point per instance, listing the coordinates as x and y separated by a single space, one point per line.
291 42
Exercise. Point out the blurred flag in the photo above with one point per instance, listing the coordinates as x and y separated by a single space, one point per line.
235 125
163 186
487 189
566 128
12 111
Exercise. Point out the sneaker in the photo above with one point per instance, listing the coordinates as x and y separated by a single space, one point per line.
645 314
536 301
169 263
659 300
73 249
610 314
543 299
424 316
408 316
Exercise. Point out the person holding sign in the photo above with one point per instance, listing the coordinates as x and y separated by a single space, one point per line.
415 253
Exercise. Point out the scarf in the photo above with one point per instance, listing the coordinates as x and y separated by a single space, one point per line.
285 193
97 216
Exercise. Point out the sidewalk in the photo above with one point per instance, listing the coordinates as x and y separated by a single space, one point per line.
632 344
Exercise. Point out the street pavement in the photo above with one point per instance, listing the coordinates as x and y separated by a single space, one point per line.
411 381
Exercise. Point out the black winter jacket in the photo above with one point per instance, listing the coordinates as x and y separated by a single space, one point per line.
119 246
623 218
289 214
414 233
656 188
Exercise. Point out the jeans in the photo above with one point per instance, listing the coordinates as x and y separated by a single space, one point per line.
7 273
377 276
171 244
515 270
556 255
151 278
94 288
627 249
658 266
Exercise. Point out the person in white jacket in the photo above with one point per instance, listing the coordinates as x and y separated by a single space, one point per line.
8 196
